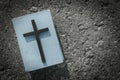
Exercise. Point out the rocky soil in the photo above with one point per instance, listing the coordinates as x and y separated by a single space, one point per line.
89 32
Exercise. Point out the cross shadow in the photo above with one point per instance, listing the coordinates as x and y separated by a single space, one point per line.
57 72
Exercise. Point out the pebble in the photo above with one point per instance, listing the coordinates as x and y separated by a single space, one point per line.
100 43
99 28
68 13
89 54
101 24
82 27
63 35
33 9
69 17
115 42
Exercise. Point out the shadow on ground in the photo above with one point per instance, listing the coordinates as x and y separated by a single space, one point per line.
58 72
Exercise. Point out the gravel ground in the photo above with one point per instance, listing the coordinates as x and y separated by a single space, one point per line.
89 32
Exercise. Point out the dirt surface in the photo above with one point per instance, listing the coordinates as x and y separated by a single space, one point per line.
89 32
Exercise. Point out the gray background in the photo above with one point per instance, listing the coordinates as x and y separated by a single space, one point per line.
89 32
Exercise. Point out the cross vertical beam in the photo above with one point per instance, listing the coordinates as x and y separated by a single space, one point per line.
36 33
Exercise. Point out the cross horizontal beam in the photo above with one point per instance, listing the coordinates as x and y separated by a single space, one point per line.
32 33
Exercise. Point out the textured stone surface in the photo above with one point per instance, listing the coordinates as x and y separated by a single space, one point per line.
89 31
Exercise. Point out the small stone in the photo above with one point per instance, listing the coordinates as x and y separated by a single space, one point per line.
115 42
68 13
33 9
91 47
101 24
63 35
100 43
99 28
89 54
82 27
69 64
69 17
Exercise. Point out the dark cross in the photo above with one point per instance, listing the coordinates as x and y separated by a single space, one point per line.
36 33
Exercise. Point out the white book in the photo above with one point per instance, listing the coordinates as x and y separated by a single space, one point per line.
29 45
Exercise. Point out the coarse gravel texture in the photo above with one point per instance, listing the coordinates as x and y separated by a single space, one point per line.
89 33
